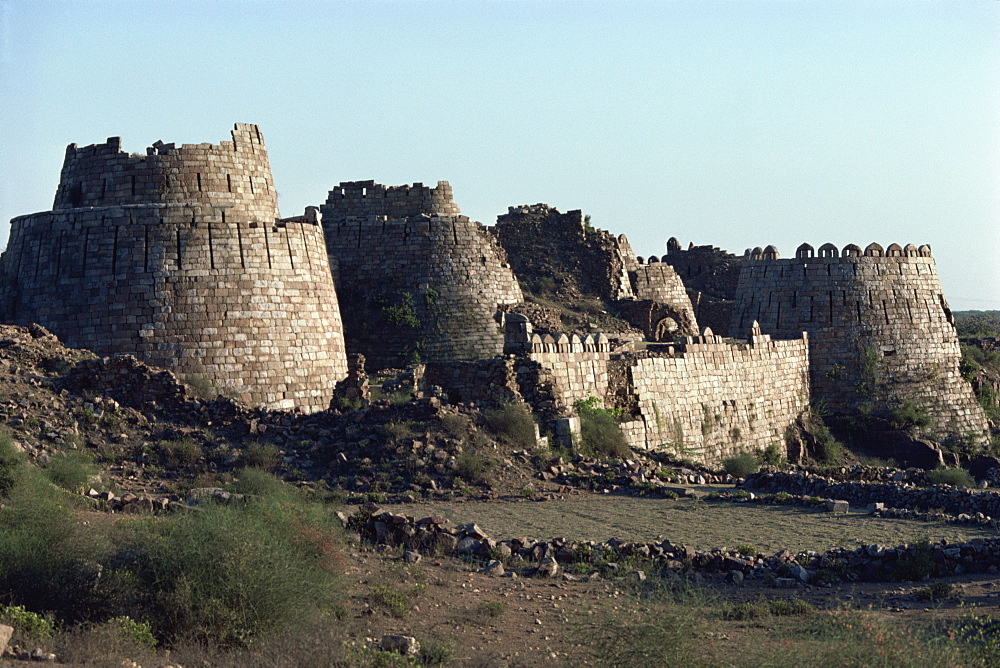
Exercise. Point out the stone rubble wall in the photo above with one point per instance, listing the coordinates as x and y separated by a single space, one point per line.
708 399
542 242
246 302
449 269
879 328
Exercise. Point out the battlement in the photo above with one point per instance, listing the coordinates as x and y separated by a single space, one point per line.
829 252
875 311
232 178
372 201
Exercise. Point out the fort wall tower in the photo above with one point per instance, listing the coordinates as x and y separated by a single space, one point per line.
417 280
880 330
178 257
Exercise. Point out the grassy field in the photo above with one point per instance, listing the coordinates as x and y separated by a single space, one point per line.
703 524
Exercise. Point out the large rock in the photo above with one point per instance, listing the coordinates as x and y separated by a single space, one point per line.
5 633
405 645
909 451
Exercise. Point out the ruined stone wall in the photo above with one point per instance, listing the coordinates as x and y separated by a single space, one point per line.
704 398
880 330
422 287
577 366
707 399
710 276
669 313
361 199
543 243
228 294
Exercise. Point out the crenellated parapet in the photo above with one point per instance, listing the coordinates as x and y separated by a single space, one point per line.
880 330
830 253
230 179
374 202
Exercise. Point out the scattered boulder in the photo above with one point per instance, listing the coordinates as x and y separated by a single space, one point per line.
405 645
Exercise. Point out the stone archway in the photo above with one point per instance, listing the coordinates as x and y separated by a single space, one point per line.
666 329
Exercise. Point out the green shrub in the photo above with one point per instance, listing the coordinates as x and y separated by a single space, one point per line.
230 573
956 477
180 452
600 435
511 423
748 610
435 653
474 467
909 416
828 450
398 430
741 464
786 607
264 456
29 623
916 563
390 599
201 387
71 470
11 463
46 561
492 609
937 591
138 633
772 455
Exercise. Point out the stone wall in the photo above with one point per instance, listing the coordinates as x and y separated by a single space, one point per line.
578 365
421 287
361 199
710 275
212 286
669 312
707 399
543 243
232 179
880 330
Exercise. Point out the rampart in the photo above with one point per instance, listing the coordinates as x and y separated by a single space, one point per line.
703 398
707 399
424 286
880 330
361 199
201 282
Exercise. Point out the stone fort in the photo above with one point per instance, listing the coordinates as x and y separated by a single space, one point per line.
180 257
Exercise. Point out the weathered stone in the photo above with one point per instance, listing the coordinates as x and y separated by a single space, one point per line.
405 645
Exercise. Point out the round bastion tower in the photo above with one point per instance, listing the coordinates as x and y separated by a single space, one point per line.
881 334
417 280
178 257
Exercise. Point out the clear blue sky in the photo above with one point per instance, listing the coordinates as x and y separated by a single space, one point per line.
735 124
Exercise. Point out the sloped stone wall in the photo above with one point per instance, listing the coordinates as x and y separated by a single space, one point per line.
417 288
228 294
880 329
543 243
707 399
